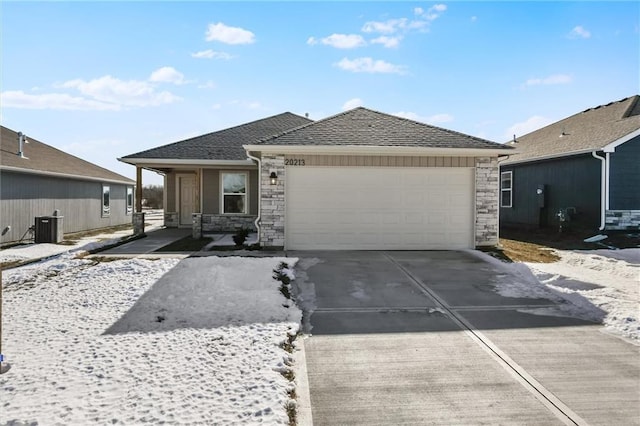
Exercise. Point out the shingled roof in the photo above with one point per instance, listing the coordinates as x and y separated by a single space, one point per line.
365 127
589 130
40 158
224 144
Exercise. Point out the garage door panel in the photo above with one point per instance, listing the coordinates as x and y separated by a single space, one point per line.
376 208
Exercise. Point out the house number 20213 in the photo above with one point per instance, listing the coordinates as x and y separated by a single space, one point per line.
294 162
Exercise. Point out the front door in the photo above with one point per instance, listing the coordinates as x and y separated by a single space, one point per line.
186 198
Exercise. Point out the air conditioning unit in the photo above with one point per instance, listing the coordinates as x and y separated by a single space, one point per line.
49 229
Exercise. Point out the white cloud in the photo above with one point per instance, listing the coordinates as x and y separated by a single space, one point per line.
167 75
474 18
532 123
229 35
211 54
418 11
434 119
434 12
387 27
387 41
579 32
208 85
340 41
125 93
552 79
58 101
351 104
369 65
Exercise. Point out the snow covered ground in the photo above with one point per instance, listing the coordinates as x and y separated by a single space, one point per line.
153 220
137 341
597 285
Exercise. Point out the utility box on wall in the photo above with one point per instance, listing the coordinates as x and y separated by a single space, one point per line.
49 229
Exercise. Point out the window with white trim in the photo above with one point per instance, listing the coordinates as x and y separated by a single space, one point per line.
129 200
506 189
106 200
234 193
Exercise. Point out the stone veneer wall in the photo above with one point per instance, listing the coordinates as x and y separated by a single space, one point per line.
272 215
171 219
487 196
203 223
622 220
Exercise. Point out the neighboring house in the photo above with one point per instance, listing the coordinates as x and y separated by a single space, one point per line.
212 175
584 169
357 180
37 180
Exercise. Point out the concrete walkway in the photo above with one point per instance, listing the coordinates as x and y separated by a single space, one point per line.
153 241
422 338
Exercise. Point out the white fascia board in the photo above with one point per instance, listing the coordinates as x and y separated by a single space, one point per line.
65 175
613 145
163 162
548 157
378 150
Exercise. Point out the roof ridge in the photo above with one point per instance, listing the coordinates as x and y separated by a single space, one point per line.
632 107
286 132
453 132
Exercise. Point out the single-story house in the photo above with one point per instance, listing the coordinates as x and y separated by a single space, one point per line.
37 180
360 179
584 169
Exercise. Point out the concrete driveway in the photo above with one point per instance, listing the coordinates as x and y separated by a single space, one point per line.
423 338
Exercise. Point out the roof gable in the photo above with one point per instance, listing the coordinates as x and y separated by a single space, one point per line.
365 127
223 144
589 130
41 158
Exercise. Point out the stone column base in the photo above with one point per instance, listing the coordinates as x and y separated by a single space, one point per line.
138 223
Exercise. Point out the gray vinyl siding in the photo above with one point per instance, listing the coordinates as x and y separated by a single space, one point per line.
211 191
569 182
26 196
624 175
170 188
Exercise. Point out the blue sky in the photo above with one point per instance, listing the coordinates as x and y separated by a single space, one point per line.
103 80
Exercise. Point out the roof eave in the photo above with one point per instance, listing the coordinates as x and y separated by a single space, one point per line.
378 150
66 175
160 162
611 147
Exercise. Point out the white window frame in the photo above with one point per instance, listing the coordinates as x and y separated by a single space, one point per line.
504 189
106 207
246 192
129 201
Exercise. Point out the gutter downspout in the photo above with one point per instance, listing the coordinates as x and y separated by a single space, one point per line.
257 222
603 189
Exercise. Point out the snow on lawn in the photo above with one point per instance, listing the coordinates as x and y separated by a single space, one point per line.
598 285
146 341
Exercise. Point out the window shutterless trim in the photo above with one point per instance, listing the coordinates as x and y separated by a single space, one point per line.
245 194
504 189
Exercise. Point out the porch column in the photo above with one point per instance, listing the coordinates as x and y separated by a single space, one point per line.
138 216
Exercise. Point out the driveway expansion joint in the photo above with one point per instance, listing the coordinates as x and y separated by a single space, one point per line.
542 394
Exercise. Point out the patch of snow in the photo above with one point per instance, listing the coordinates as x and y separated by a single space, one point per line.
146 341
600 285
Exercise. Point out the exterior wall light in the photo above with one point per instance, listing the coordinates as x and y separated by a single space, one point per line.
274 178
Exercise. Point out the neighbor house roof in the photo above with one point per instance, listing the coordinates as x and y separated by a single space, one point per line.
362 127
43 159
224 144
588 131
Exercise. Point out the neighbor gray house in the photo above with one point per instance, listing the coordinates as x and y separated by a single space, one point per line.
360 179
584 169
37 180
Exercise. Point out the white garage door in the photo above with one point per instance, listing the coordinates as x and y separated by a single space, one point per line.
378 208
